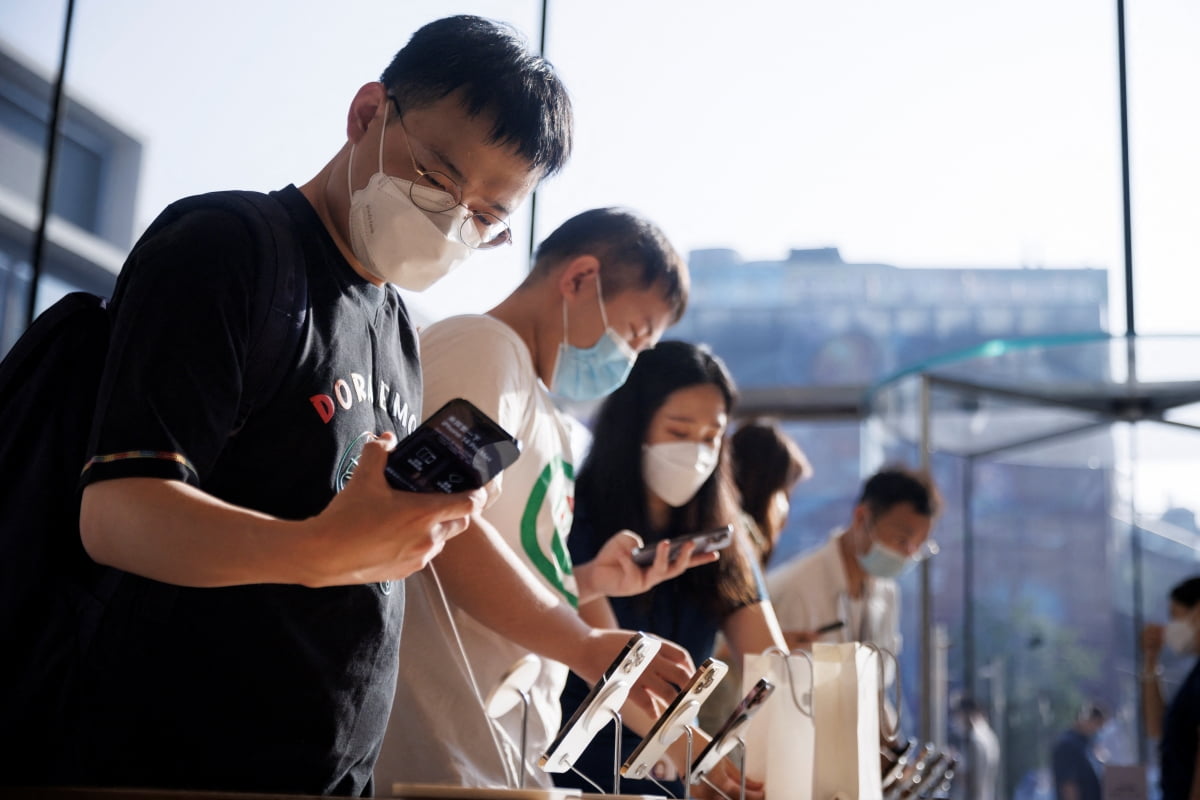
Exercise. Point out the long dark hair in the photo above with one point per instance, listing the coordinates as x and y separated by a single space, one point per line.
611 486
765 461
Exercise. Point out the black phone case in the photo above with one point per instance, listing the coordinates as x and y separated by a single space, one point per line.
458 448
706 542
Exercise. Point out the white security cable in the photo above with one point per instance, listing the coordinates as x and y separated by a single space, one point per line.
494 726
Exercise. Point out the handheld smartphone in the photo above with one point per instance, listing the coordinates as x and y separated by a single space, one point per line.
458 448
706 542
607 695
670 725
727 736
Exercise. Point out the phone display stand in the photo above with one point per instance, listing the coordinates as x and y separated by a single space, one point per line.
615 715
674 725
734 740
603 705
514 688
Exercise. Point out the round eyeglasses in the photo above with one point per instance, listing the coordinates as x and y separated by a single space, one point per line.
437 192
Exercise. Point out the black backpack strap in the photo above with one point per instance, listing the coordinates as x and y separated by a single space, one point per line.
280 293
281 305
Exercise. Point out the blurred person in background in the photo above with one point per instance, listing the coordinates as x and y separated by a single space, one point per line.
767 465
851 579
1176 725
1073 760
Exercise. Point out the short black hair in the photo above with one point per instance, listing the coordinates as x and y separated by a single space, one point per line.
1187 594
633 252
893 485
491 64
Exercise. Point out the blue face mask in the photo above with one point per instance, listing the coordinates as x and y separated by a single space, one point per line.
884 562
589 373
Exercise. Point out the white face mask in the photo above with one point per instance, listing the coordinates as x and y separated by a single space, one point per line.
675 471
395 240
1180 636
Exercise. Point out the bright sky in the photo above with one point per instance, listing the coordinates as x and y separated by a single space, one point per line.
925 133
928 133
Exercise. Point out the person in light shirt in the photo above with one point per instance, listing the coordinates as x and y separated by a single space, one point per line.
851 579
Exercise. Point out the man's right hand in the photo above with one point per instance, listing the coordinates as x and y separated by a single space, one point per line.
371 531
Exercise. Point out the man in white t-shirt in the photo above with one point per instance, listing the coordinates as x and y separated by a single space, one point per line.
604 285
851 578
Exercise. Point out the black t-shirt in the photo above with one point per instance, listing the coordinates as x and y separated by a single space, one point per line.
264 687
1072 765
1181 730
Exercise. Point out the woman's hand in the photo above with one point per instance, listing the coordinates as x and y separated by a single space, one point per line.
613 572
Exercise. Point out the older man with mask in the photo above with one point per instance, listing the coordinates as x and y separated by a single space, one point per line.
851 579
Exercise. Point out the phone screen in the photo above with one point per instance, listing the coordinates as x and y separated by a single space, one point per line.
458 448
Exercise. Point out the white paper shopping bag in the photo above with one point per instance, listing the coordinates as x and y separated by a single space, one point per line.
779 743
846 691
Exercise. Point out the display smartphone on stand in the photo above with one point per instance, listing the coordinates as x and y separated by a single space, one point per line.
706 542
672 724
728 736
606 696
457 449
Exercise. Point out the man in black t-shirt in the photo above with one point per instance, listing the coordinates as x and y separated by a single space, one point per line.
252 639
1075 776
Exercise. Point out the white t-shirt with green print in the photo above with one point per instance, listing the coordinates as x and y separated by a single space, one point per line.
438 731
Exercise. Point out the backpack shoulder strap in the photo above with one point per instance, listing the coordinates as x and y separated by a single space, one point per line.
280 293
282 300
29 349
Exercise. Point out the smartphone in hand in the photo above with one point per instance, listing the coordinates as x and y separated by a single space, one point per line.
706 542
458 448
670 725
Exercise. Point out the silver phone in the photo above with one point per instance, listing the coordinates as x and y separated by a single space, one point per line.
670 726
606 696
727 736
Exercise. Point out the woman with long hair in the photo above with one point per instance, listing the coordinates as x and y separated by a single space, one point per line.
767 464
657 467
